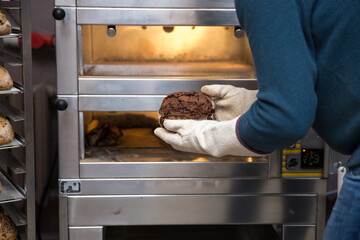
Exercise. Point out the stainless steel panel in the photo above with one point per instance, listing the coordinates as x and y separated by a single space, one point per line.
301 232
112 85
120 102
321 215
275 164
192 209
160 186
69 138
67 3
63 218
158 3
174 170
66 49
86 233
166 64
157 16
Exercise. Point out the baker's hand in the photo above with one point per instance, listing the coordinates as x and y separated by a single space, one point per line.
203 136
230 101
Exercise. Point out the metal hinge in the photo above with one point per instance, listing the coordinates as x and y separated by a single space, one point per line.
70 187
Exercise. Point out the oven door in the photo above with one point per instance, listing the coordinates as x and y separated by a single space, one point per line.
151 50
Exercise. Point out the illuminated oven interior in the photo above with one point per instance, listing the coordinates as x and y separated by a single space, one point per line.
196 51
129 137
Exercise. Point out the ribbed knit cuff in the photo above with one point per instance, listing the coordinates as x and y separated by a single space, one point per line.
241 141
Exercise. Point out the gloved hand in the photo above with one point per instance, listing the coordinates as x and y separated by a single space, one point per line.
230 101
203 136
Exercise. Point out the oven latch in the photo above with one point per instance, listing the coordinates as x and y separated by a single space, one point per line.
70 187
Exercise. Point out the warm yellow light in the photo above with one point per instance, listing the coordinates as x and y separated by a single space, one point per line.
201 160
250 159
153 43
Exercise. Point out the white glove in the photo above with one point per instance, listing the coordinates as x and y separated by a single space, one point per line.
203 136
230 101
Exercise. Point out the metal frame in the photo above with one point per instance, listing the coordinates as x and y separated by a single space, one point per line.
11 191
98 194
146 4
86 233
158 3
157 16
29 120
69 138
173 170
146 85
196 186
66 50
112 210
63 218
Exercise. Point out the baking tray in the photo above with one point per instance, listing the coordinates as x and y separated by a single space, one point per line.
141 145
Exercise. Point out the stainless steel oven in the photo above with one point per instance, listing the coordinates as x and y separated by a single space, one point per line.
116 61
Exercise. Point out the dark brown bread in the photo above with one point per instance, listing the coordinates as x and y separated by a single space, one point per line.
186 105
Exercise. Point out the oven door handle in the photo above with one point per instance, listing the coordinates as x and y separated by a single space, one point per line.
59 13
61 104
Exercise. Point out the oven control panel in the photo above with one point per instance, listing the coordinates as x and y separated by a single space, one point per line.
303 159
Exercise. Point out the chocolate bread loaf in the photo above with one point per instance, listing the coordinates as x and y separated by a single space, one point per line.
186 105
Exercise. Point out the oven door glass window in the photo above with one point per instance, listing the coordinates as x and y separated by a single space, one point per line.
183 51
129 137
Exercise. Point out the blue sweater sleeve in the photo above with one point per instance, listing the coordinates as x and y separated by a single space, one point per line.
279 34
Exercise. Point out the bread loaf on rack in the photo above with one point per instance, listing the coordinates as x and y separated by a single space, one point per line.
6 131
7 227
5 25
6 82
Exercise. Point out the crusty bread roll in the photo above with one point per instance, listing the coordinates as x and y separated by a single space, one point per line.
7 228
5 26
6 82
104 134
6 131
187 105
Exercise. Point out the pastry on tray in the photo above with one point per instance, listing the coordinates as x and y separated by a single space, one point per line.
6 131
186 105
7 227
5 26
6 82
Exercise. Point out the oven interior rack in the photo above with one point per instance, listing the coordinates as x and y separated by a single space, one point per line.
17 177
